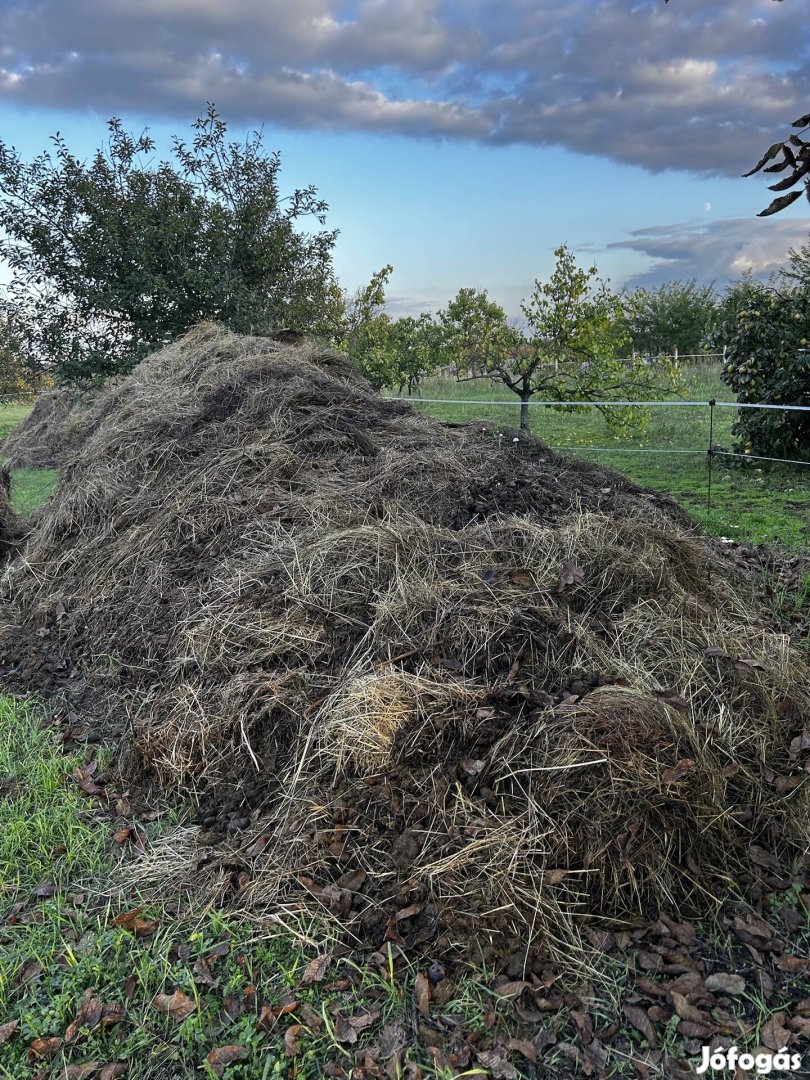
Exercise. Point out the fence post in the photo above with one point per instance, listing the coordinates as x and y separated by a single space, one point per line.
712 404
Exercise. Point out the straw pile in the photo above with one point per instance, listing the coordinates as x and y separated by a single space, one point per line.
53 430
433 678
11 531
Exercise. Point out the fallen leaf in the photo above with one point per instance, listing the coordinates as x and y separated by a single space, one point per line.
312 1019
524 578
523 1047
223 1056
112 1070
499 1067
177 1005
569 575
291 1040
725 983
774 1034
678 771
408 912
26 973
7 1030
641 1022
44 1047
421 994
763 858
134 921
88 1016
316 969
202 972
80 1071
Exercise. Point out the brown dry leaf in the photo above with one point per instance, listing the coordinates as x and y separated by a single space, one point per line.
524 578
316 970
40 1048
408 912
80 1071
685 1010
258 846
763 858
555 876
523 1047
569 575
113 1069
353 880
472 766
750 664
393 1038
177 1005
673 698
512 989
793 964
641 1022
678 771
26 973
291 1040
44 891
223 1056
88 786
725 983
89 1016
421 994
774 1034
134 921
7 1030
202 972
499 1067
312 1019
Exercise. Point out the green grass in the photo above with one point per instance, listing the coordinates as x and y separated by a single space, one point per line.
61 876
10 416
748 502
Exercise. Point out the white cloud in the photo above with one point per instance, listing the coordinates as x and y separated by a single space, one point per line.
691 85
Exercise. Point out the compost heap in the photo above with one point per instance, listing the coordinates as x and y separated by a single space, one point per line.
433 678
52 432
11 529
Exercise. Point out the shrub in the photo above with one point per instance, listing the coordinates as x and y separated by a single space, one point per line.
768 361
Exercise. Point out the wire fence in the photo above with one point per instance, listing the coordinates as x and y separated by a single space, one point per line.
710 452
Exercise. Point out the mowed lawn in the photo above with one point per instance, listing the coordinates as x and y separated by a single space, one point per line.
750 501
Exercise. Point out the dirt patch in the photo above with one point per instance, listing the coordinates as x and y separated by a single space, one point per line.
451 687
52 432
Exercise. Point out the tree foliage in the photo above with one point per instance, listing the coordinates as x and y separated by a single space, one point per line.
794 155
18 377
768 361
573 347
677 315
114 257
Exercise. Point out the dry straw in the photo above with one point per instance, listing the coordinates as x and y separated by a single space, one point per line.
456 675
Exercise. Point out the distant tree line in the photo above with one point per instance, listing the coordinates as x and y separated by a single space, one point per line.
114 257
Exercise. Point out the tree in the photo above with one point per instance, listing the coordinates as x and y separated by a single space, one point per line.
570 350
677 315
767 361
18 377
417 350
795 155
115 257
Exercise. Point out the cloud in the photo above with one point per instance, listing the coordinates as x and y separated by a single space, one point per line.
718 251
691 85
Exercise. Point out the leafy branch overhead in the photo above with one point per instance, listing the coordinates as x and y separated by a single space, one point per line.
795 156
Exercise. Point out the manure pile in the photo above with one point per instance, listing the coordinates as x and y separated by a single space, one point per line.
53 430
459 691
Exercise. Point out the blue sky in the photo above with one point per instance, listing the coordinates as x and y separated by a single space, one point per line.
460 144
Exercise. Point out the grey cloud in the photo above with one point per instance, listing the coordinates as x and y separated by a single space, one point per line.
692 85
718 251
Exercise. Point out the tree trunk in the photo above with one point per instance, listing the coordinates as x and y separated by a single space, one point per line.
524 413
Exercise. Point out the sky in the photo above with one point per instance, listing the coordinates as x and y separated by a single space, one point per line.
461 141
